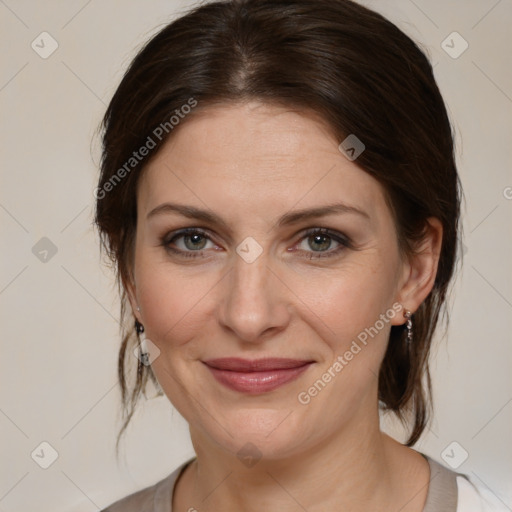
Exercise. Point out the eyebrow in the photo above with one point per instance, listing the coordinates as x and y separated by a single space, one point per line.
290 218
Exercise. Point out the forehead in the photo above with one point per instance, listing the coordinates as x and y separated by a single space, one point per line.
259 157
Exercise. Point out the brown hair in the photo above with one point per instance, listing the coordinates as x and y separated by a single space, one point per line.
352 67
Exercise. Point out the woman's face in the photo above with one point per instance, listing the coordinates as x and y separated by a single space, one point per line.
255 283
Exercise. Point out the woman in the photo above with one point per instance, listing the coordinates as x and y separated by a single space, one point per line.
280 197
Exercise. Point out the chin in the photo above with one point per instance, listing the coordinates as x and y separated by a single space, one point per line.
269 434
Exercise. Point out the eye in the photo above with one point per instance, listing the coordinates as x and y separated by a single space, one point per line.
187 242
320 240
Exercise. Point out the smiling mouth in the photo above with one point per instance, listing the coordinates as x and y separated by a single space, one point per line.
258 375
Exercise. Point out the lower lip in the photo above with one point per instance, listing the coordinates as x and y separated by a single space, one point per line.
257 382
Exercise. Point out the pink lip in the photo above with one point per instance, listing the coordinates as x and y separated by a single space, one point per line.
256 376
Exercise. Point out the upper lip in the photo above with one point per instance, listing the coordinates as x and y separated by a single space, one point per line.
237 364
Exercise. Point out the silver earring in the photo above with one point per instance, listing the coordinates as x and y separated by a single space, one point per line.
408 315
139 327
144 359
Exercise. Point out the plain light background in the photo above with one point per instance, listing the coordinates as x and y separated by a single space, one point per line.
59 317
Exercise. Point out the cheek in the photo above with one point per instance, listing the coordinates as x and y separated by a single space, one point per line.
349 299
174 303
175 313
354 307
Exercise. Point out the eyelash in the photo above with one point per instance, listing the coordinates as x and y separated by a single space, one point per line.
337 237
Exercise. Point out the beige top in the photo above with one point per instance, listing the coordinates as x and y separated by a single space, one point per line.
441 496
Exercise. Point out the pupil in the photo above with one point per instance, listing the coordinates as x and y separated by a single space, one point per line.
194 240
317 238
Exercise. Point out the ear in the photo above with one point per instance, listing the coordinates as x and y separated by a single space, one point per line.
420 270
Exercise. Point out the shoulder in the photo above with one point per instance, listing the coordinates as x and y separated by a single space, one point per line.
451 491
155 498
473 497
140 501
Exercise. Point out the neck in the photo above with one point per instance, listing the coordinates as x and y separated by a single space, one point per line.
354 470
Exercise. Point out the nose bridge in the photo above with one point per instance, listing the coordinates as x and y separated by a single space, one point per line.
250 277
251 304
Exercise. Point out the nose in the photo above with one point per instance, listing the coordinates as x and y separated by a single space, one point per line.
255 301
